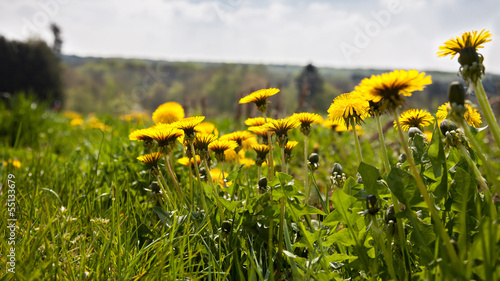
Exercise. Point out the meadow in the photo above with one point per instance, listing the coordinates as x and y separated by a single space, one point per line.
102 197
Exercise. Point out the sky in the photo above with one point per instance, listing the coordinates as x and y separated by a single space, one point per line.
387 34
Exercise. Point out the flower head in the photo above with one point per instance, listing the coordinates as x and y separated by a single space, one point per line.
262 151
350 108
471 116
201 142
261 131
469 39
186 161
220 146
414 118
471 62
390 88
164 134
207 128
15 163
260 98
168 113
306 119
151 160
281 127
289 147
188 126
258 121
238 136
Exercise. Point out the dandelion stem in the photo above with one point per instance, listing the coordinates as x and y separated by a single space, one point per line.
174 179
306 171
283 161
423 191
197 172
356 140
270 173
489 170
385 157
488 113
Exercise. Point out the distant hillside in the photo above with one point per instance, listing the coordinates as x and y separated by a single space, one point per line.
115 85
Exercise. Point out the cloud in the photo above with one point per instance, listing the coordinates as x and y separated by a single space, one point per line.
282 31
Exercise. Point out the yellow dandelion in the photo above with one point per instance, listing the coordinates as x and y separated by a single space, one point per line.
238 137
207 128
290 146
220 146
164 134
15 163
472 39
260 98
348 107
281 127
258 121
232 156
414 118
168 113
150 159
72 115
201 141
188 125
390 88
247 162
471 116
306 119
76 122
140 135
332 124
136 116
262 150
260 131
186 161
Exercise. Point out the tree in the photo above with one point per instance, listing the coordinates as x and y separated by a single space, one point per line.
309 87
30 67
57 45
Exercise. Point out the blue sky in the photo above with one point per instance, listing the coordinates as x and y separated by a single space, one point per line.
377 34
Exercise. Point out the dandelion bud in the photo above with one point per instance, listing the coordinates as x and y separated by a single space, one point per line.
314 158
414 131
226 227
337 168
203 173
263 182
402 158
468 55
155 187
456 93
447 126
390 214
372 204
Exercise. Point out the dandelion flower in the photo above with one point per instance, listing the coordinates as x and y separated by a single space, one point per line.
207 128
186 161
72 115
150 159
281 127
258 121
289 147
168 113
188 125
471 116
472 39
76 122
414 118
260 131
220 146
201 141
306 119
262 150
260 98
164 134
347 107
15 163
391 88
140 135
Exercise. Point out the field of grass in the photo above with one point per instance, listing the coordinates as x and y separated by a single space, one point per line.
85 208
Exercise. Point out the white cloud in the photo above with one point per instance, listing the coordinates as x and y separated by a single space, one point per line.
260 31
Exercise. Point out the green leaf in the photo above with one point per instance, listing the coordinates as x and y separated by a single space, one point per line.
419 149
436 152
350 185
461 190
162 214
404 186
342 202
370 175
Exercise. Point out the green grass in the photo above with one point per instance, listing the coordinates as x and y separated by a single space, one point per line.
85 210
